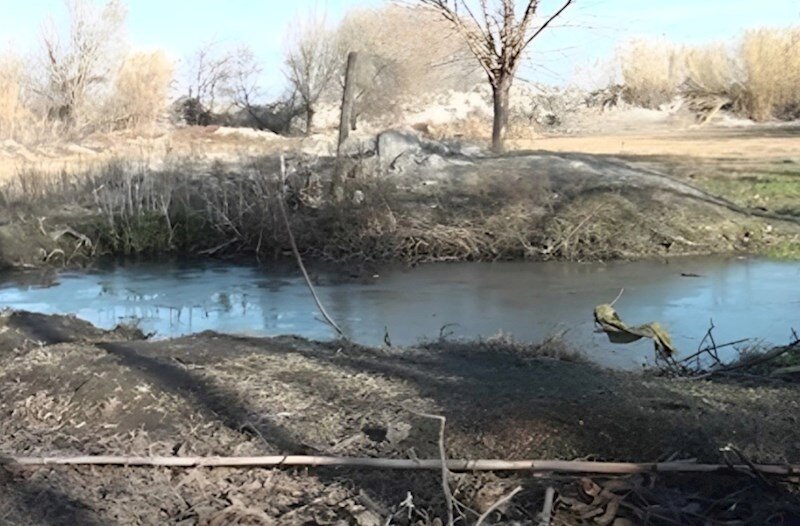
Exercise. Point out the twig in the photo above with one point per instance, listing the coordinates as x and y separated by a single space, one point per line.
214 250
580 225
742 458
534 466
621 292
547 509
496 505
443 328
448 495
299 259
712 350
705 349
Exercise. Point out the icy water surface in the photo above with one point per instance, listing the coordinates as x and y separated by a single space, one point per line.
746 299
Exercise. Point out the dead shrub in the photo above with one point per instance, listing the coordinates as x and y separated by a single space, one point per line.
651 71
713 68
140 91
406 53
13 115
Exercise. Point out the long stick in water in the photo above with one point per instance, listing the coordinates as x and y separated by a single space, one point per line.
299 259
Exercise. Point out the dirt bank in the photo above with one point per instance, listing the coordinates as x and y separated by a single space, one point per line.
68 388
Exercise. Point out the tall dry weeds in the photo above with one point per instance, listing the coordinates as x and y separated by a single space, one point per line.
13 114
758 77
772 63
651 71
140 93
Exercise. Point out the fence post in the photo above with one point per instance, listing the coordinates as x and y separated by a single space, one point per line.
347 99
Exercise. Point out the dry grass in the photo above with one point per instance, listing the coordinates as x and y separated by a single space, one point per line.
475 128
191 208
758 77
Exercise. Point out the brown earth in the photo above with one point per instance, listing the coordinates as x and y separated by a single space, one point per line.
69 389
756 141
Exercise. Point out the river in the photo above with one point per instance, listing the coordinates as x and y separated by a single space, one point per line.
746 298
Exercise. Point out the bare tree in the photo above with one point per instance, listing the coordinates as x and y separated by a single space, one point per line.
312 63
207 74
498 38
243 87
82 59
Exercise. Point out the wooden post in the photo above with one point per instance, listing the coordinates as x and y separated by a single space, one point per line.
347 99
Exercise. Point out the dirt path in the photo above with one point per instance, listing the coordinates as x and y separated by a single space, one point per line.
70 389
745 143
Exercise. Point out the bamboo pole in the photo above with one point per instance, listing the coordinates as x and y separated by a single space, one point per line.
554 466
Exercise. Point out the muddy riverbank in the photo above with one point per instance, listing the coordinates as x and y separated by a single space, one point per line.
69 388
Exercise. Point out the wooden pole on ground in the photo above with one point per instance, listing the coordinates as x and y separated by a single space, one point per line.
536 466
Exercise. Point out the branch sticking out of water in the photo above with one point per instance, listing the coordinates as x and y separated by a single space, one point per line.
299 259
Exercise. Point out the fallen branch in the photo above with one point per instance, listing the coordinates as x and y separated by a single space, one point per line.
706 349
536 466
214 250
786 371
764 358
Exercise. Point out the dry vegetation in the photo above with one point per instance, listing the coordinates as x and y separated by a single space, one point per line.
407 55
756 78
13 114
479 212
140 91
82 80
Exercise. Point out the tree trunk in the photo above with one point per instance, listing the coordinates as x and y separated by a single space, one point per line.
309 119
500 92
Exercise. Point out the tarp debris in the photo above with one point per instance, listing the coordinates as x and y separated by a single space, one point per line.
618 332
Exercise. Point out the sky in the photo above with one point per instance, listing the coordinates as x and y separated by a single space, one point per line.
588 34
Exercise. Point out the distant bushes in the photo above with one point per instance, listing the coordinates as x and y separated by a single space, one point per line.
772 71
82 80
758 78
13 114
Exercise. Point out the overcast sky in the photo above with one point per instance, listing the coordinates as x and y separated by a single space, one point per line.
590 31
